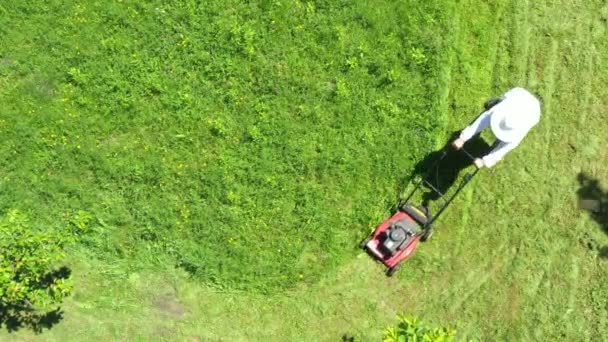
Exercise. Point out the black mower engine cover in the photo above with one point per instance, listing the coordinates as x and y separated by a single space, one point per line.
398 235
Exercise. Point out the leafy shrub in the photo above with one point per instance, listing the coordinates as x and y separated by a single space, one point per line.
412 330
27 258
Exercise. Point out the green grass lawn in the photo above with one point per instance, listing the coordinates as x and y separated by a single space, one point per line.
208 135
232 156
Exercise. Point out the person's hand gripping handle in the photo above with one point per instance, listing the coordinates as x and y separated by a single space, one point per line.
458 143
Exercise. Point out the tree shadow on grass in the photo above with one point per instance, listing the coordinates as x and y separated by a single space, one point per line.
17 316
14 318
444 174
594 199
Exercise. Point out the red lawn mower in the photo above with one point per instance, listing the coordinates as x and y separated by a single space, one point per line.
395 239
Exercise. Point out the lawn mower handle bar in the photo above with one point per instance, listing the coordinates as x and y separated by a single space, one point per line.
467 153
444 152
467 178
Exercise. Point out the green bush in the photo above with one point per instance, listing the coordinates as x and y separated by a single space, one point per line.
412 330
27 258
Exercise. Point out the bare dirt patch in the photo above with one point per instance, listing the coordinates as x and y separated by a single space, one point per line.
170 306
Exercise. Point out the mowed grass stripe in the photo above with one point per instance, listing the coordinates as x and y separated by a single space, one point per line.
483 49
595 126
581 88
547 92
475 280
574 279
460 41
518 48
551 265
471 241
587 74
445 81
520 40
550 77
475 188
559 120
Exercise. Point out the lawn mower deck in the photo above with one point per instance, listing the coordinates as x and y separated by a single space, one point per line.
395 239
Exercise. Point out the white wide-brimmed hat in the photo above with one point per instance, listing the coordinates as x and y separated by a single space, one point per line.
513 117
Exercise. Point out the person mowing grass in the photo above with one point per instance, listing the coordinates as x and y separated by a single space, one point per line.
510 118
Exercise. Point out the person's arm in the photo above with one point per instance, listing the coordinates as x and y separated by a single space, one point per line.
498 153
477 126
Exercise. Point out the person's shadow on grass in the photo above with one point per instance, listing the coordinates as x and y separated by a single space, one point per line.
442 175
594 199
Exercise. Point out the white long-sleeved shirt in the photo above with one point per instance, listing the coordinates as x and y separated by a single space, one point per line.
483 121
